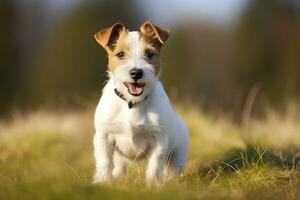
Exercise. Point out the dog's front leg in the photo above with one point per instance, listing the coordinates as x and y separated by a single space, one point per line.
103 152
156 160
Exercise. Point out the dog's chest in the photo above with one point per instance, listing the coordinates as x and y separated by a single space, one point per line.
134 141
137 134
133 132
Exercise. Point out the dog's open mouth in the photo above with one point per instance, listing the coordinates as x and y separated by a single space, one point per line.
135 89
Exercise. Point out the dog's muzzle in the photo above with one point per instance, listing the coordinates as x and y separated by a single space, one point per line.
136 74
135 89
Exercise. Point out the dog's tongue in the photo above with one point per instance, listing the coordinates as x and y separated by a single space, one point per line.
135 89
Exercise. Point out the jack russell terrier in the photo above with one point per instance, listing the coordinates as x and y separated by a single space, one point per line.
134 118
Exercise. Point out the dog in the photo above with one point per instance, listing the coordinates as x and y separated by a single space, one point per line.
134 118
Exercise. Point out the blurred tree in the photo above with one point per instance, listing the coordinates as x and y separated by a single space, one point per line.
268 45
43 62
9 56
196 59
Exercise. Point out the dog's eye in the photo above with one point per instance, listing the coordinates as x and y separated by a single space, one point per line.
148 55
120 55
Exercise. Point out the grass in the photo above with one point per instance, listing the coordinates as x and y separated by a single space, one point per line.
48 155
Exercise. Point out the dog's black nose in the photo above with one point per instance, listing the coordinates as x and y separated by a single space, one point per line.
136 73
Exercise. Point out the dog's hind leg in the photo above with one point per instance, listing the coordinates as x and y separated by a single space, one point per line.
174 164
120 165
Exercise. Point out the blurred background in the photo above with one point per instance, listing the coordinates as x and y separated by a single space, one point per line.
220 53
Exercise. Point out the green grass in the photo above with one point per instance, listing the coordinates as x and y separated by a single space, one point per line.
47 155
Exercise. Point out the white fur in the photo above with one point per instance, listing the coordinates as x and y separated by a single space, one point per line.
151 129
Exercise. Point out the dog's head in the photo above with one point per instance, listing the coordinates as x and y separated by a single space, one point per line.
133 57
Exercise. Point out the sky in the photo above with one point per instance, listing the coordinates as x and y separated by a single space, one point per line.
169 12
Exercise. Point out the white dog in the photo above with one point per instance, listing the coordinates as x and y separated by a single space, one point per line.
134 118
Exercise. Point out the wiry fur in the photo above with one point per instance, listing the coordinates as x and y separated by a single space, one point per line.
151 129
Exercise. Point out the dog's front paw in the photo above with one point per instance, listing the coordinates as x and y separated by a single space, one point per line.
101 178
153 176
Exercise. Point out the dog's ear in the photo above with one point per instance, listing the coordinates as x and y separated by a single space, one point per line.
154 32
107 37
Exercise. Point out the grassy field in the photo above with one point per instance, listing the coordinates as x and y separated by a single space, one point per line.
48 155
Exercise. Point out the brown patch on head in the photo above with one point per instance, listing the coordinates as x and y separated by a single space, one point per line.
112 39
153 51
117 56
153 37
